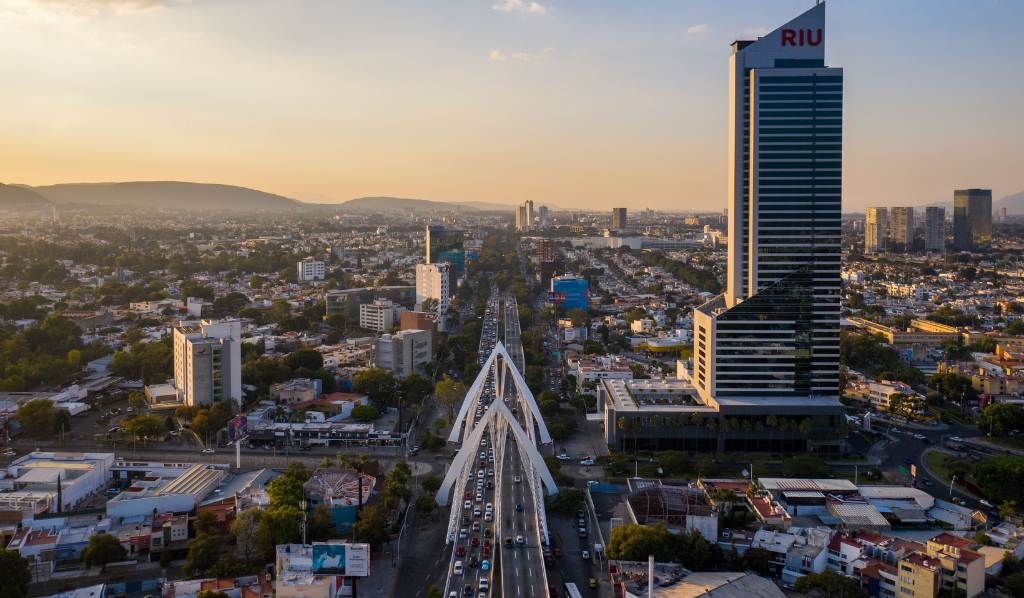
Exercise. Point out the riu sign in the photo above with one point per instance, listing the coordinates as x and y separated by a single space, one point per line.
801 37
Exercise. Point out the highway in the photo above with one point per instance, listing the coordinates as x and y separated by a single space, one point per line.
495 533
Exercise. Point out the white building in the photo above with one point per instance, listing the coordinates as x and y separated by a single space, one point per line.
435 281
208 362
405 353
310 269
380 316
71 476
156 493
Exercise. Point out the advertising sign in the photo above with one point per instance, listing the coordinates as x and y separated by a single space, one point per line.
238 428
350 560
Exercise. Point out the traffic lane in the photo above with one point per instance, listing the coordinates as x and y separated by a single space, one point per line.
522 569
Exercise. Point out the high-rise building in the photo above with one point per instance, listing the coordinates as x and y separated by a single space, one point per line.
901 227
876 230
972 218
543 217
618 218
445 245
435 281
770 343
310 269
522 222
208 362
405 353
379 316
935 229
529 213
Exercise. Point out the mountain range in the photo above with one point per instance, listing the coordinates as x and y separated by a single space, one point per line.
206 196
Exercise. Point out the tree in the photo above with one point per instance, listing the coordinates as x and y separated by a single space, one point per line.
904 405
280 525
15 575
414 388
285 491
434 592
450 394
310 359
430 483
637 542
37 418
245 529
829 584
206 523
203 553
1000 477
1001 418
145 426
371 526
364 413
101 550
378 384
805 465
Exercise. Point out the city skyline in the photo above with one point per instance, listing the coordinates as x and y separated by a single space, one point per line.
569 104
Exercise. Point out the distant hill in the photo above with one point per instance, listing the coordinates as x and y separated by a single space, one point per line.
1014 204
165 194
13 196
403 204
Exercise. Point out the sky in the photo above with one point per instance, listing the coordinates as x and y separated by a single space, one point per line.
578 103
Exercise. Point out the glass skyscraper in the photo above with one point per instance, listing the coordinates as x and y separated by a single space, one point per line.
773 336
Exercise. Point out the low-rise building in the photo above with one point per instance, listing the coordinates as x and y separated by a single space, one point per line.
405 353
380 316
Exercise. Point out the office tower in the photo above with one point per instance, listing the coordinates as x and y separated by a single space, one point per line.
379 316
901 227
935 229
522 218
445 245
618 218
571 292
435 281
208 362
876 230
770 343
972 218
529 213
405 353
310 269
543 217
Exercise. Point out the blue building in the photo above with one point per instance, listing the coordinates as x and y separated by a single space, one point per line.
571 292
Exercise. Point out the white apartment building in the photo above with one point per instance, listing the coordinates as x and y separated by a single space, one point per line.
310 269
208 362
435 281
405 353
380 316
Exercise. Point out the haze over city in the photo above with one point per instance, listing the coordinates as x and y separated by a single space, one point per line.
573 103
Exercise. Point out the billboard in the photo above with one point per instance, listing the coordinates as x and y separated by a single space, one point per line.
350 560
238 428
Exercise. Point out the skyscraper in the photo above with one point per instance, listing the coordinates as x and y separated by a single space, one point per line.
935 229
972 218
619 219
543 218
901 227
445 245
529 214
876 230
770 344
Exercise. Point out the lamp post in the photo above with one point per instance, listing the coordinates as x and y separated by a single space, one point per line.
302 507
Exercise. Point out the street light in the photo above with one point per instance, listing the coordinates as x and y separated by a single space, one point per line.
302 507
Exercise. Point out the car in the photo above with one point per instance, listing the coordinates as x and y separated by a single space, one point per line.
467 505
490 485
208 451
489 516
474 541
476 526
580 514
479 497
587 462
476 512
519 508
457 569
485 565
488 533
490 473
583 532
468 590
460 551
474 562
592 582
585 554
517 479
563 457
468 495
508 541
485 584
956 439
463 533
985 504
453 594
520 540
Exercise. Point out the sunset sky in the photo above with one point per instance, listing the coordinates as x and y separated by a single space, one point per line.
580 103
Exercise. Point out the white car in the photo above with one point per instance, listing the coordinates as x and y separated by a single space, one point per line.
467 505
520 540
517 479
457 569
587 462
208 451
563 457
585 555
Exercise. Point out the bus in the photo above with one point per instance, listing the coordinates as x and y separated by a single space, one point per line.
571 591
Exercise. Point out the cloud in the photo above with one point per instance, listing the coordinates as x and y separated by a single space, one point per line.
699 29
94 7
520 6
499 56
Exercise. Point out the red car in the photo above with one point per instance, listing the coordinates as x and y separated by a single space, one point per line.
469 495
487 543
474 541
461 550
487 551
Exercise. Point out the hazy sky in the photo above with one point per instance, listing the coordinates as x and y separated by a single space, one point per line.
579 103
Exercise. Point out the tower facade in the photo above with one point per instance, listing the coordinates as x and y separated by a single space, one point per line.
773 338
935 229
972 218
876 230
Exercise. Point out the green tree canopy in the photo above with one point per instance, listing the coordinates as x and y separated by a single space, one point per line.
101 550
378 384
829 584
37 418
15 575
